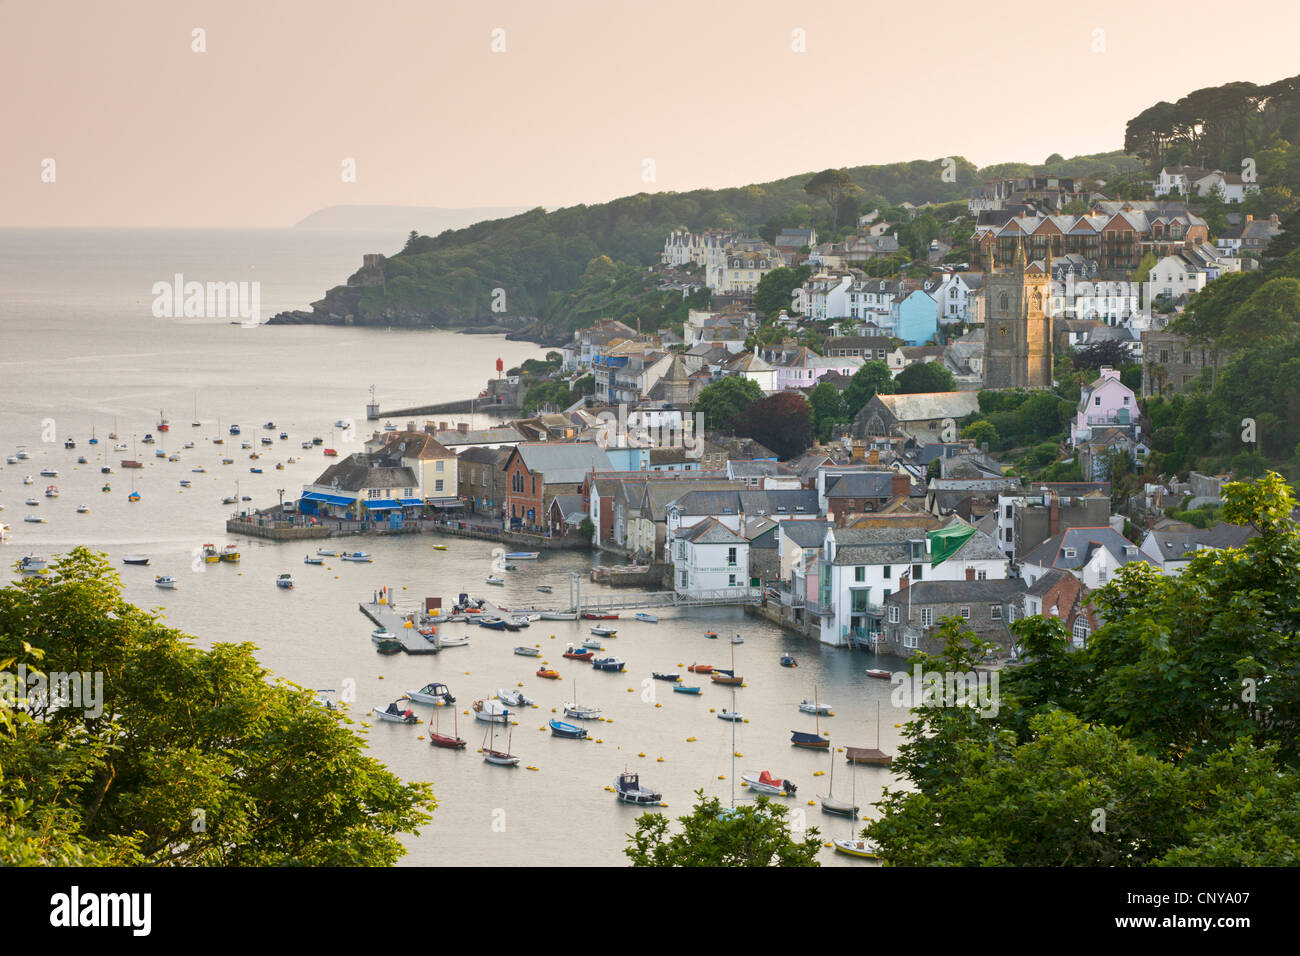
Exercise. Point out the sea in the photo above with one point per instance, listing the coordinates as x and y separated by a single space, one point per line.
84 353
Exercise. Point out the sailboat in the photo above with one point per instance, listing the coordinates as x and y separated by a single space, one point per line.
720 676
500 758
851 846
811 741
839 807
438 739
196 423
872 756
579 711
814 706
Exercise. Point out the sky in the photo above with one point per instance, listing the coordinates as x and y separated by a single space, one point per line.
112 115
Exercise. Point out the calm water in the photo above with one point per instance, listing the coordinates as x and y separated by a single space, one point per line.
80 350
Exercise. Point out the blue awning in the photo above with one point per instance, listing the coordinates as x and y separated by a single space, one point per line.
327 499
410 502
382 504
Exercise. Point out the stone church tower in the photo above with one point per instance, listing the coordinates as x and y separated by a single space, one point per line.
1018 324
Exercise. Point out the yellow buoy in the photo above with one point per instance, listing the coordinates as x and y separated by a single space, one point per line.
811 803
690 740
722 776
660 760
658 705
640 755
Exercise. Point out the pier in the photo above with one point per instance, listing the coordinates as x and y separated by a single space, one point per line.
395 622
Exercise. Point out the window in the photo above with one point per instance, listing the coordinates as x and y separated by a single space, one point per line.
731 580
1080 632
995 612
965 613
438 465
888 571
909 640
893 614
981 575
916 572
859 574
437 485
927 616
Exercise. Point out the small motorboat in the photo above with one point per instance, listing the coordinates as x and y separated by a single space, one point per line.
599 616
106 488
306 444
788 660
173 457
11 460
83 510
185 483
52 491
499 582
279 466
732 715
737 639
210 554
396 714
683 689
815 707
765 783
311 560
389 647
34 519
234 429
879 674
32 502
137 559
560 729
245 445
227 461
230 554
49 472
199 470
342 423
513 698
491 711
860 848
283 436
437 694
22 454
69 443
592 644
559 615
549 673
453 642
133 496
285 580
574 654
544 588
711 635
147 440
268 441
604 631
668 677
255 471
28 480
188 444
522 555
325 552
528 651
646 618
165 581
701 668
229 500
361 556
508 567
269 426
318 441
627 787
330 453
608 664
382 634
81 460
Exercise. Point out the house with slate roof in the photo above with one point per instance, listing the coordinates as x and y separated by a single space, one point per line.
711 560
1092 555
363 487
533 468
1172 551
914 613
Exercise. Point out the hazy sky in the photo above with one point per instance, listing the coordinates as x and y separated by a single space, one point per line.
254 131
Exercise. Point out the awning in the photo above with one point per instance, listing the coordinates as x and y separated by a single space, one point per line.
445 503
327 499
410 502
382 504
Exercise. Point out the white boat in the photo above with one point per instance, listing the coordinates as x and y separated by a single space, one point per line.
326 552
559 615
491 711
49 472
382 634
522 555
860 848
815 707
342 423
725 714
33 502
502 758
513 698
356 556
604 631
528 651
285 580
11 460
396 714
34 519
28 480
83 510
765 783
188 444
435 693
497 581
581 711
22 454
592 644
310 560
32 564
453 642
646 618
738 640
165 581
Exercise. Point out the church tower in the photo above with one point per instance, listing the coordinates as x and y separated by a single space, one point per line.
1018 324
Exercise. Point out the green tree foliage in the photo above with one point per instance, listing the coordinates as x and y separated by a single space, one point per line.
199 757
828 409
925 377
754 834
773 292
1171 738
981 431
724 402
833 186
871 379
782 422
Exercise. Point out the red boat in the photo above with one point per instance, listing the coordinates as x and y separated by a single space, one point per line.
879 674
726 677
577 655
442 740
596 616
549 674
701 668
331 453
163 426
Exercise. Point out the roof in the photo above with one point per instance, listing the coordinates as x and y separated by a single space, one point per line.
1084 542
563 462
711 531
923 406
355 473
862 484
992 591
1183 545
805 534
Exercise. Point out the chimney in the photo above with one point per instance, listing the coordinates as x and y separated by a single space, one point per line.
874 457
1249 218
1053 516
904 580
970 574
902 486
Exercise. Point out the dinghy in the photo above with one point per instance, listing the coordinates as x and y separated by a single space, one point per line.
573 654
490 711
513 698
528 651
765 783
604 631
683 689
647 618
395 714
560 729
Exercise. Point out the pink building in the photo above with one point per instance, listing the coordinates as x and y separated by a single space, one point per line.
802 368
1106 403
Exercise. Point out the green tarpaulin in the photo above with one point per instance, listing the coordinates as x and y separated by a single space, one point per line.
945 542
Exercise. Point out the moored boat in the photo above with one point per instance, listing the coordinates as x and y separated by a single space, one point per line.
701 668
230 553
627 787
549 673
599 616
765 783
560 729
165 581
573 654
490 711
210 554
499 582
604 631
668 677
608 664
308 559
396 714
731 715
683 689
879 674
513 698
559 616
138 559
435 693
522 555
361 556
528 651
860 848
646 618
285 581
809 741
788 660
814 707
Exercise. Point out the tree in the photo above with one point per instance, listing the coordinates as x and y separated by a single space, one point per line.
827 408
925 377
833 186
723 402
587 528
1109 352
774 290
748 835
200 757
981 431
782 422
871 379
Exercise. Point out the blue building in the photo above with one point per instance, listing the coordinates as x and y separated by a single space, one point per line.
916 318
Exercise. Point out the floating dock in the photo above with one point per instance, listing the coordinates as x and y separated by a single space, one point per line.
390 618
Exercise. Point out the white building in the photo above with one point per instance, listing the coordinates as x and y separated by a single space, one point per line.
710 560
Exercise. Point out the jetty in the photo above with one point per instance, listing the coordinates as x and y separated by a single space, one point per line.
402 625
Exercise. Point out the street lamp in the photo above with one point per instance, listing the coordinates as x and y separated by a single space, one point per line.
280 492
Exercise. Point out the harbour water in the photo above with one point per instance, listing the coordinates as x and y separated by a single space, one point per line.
79 351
